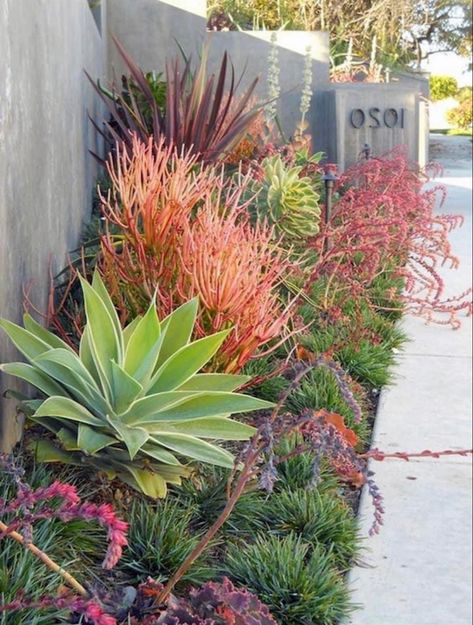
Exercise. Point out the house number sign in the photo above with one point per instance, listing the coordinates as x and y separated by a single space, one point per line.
377 118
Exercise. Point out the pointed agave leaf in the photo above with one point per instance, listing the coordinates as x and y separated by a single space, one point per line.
214 382
217 428
153 404
45 451
30 406
101 290
102 335
68 439
173 474
34 376
213 403
70 361
160 454
63 367
133 437
67 409
187 361
192 447
26 342
128 331
125 389
42 333
178 327
91 440
147 482
85 354
144 346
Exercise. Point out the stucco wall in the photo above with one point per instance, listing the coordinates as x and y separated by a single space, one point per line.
46 171
150 30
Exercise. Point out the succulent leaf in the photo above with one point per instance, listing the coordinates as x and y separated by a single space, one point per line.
132 404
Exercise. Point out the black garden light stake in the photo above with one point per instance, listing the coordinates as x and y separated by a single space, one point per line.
329 179
366 151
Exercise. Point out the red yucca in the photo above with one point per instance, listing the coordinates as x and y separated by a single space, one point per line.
385 219
182 230
203 114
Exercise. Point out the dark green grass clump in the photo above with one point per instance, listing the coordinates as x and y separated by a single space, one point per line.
298 582
160 538
319 519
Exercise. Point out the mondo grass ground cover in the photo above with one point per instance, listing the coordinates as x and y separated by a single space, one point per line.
211 370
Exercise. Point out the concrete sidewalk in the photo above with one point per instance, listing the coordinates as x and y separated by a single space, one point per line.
418 570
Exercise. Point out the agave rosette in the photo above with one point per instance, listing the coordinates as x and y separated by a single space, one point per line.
292 202
132 402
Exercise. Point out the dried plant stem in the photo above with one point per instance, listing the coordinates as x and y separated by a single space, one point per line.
246 474
45 559
233 495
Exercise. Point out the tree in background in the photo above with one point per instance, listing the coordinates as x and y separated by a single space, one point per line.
440 26
404 31
461 116
442 87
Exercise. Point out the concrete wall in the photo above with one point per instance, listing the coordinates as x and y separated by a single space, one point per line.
414 80
46 172
339 130
149 30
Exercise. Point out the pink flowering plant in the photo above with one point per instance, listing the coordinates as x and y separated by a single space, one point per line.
60 501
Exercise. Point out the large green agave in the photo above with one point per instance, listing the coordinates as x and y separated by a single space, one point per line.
131 403
292 203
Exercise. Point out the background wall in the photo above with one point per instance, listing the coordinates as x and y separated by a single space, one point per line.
143 27
46 172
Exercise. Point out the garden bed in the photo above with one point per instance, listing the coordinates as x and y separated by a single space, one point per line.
214 281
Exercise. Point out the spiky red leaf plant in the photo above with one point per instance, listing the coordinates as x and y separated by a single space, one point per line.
207 115
385 218
182 230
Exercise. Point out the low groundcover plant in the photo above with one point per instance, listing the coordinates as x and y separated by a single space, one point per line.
131 404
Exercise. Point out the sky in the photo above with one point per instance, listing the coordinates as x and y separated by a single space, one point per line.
450 64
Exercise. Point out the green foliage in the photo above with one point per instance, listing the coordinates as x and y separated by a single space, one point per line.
465 93
297 471
462 115
206 497
131 399
160 537
297 582
289 200
319 519
319 391
74 545
272 386
250 14
442 87
367 363
21 571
